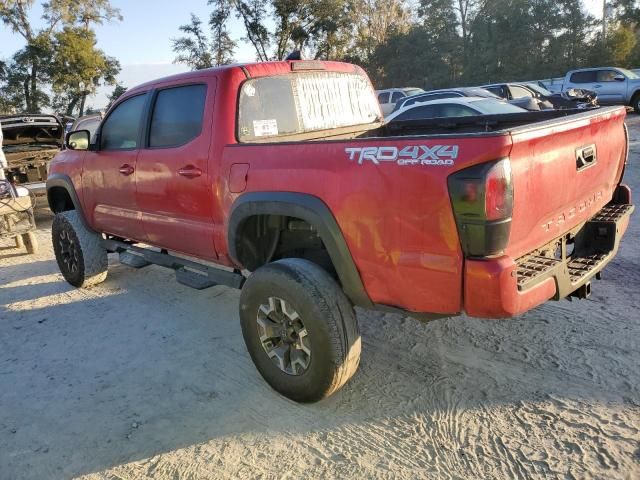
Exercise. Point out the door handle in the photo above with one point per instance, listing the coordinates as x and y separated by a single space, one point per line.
597 86
190 171
126 169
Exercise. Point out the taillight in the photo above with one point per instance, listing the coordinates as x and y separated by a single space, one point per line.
498 197
482 200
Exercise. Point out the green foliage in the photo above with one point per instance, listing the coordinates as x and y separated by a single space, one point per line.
60 57
78 68
117 92
197 49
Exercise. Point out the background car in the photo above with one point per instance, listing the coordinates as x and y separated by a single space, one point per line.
614 86
525 102
453 107
88 122
389 97
573 99
444 93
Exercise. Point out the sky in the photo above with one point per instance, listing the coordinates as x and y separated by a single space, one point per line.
142 41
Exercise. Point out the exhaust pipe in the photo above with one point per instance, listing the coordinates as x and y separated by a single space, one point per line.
583 292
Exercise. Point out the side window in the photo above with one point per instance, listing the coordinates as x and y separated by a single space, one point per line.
606 75
121 129
584 77
455 110
397 96
519 92
417 113
177 115
497 90
383 97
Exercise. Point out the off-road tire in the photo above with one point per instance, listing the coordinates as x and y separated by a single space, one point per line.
327 315
19 242
30 242
87 251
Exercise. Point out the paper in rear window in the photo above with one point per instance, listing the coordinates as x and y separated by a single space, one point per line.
304 102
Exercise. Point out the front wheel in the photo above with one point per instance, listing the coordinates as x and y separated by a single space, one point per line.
79 252
300 329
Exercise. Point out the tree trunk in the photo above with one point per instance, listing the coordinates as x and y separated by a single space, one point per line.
72 106
34 108
84 97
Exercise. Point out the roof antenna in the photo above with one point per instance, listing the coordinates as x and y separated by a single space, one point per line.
295 55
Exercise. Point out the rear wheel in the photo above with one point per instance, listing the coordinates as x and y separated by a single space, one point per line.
79 252
30 242
300 329
635 103
19 242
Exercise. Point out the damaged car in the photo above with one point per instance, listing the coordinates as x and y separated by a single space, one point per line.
30 142
574 98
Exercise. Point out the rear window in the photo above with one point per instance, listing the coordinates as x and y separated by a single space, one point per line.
304 102
490 107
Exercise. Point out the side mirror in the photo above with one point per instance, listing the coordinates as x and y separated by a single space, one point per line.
619 78
78 140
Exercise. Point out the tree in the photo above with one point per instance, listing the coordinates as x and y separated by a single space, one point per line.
199 51
253 13
78 68
222 44
193 49
117 92
31 65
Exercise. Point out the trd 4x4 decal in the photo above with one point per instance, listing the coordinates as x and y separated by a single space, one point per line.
441 155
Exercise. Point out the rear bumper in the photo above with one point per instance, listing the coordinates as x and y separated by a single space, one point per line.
504 287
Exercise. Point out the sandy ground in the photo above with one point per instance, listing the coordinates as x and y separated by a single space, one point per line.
144 378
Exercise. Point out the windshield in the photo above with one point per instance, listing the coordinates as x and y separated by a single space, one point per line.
629 74
490 107
304 102
539 89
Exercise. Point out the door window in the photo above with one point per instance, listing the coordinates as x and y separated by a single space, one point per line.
607 75
397 96
121 129
584 77
417 113
519 92
383 97
177 116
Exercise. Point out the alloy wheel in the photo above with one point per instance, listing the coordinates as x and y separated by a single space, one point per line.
284 338
68 251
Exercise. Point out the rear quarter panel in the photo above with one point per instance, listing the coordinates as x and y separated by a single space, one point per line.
396 219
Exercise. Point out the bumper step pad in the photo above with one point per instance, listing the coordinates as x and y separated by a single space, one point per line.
596 244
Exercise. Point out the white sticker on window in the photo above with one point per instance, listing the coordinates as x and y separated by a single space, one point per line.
265 128
249 90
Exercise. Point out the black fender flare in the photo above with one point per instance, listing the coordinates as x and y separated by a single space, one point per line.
60 180
312 210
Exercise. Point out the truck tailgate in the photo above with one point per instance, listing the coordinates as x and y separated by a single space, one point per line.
563 174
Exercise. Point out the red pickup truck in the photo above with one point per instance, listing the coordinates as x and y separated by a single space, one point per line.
282 179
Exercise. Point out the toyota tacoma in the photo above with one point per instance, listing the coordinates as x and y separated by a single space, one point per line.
282 179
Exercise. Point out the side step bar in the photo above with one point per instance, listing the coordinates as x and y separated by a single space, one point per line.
189 273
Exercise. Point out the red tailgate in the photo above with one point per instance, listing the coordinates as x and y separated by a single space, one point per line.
563 174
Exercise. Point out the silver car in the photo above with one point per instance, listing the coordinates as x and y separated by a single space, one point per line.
614 86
